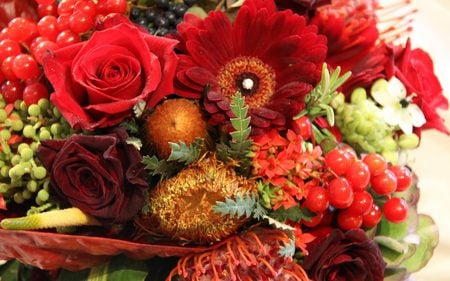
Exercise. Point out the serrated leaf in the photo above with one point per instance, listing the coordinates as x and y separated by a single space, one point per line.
183 153
139 108
159 167
278 224
259 212
240 206
287 250
131 126
429 238
136 142
293 213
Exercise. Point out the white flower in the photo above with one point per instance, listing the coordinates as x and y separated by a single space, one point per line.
397 107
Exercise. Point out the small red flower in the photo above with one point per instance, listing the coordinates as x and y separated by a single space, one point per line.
273 58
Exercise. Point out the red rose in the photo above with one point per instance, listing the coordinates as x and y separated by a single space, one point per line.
97 82
414 68
344 256
100 174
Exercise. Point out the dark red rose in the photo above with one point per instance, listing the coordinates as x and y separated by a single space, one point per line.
415 69
344 256
97 82
100 174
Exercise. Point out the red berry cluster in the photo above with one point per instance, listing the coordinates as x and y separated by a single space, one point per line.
347 190
24 42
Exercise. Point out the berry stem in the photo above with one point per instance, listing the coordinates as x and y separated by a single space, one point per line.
55 218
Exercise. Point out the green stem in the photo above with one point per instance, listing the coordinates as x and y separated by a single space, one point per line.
51 219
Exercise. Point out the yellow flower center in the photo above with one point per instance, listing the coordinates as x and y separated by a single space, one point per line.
250 76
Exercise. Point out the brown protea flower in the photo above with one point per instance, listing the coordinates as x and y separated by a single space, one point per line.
181 207
174 120
252 255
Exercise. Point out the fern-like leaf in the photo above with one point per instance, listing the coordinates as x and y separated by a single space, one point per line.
243 205
288 250
185 154
160 167
241 124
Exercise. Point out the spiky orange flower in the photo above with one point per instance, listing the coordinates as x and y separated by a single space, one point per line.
253 255
181 207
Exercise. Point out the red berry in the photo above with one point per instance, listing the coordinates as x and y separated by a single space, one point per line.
44 48
385 183
313 221
358 175
86 6
22 29
66 38
303 127
8 48
7 68
404 177
105 7
63 22
362 203
80 22
339 161
45 2
340 193
12 91
25 67
395 210
47 27
376 163
34 92
347 220
373 217
66 6
317 199
47 9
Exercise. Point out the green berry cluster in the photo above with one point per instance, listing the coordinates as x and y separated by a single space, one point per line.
22 128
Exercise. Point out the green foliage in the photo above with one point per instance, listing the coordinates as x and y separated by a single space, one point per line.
118 269
185 154
136 142
163 168
8 271
319 99
131 126
243 205
294 213
239 147
288 250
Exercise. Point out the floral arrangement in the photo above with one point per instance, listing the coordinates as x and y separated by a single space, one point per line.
212 140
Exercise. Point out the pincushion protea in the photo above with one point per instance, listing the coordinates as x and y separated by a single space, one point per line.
181 207
252 255
272 57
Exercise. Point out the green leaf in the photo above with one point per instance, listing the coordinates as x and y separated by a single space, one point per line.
429 238
136 142
8 271
287 250
131 126
394 251
398 230
395 274
117 269
160 167
293 214
240 206
185 154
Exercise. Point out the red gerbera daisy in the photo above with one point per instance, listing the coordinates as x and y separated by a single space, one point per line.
273 58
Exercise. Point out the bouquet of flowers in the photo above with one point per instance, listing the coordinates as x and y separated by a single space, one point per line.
212 140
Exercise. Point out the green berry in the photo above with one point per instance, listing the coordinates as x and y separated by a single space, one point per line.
5 134
34 110
3 115
16 172
32 185
26 194
26 154
29 131
43 195
408 141
44 135
18 198
17 125
15 159
4 171
359 95
55 129
43 104
38 172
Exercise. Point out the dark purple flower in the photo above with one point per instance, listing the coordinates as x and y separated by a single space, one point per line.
100 174
344 256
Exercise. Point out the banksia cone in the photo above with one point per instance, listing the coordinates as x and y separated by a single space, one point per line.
181 207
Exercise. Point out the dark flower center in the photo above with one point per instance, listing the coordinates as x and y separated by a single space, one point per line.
250 76
404 103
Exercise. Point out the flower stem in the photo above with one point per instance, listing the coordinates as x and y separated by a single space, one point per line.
54 218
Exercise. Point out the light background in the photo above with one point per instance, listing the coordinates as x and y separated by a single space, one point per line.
432 159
